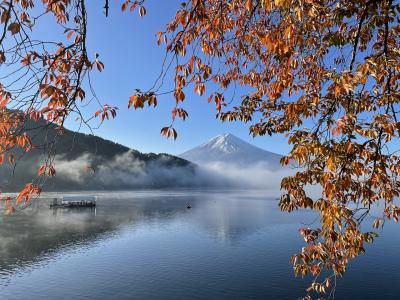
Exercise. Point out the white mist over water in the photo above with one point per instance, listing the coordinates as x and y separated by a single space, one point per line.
124 171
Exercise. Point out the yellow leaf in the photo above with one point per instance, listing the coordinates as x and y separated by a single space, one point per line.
331 164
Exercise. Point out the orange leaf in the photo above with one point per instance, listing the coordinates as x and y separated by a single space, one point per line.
124 6
70 33
41 170
51 171
142 11
14 28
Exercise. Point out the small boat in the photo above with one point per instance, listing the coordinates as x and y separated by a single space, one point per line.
74 201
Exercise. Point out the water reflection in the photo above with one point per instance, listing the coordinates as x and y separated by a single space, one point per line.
38 232
230 218
148 245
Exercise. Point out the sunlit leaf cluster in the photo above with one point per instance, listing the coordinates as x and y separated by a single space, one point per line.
325 74
42 80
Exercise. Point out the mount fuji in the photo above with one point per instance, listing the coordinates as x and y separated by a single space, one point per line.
227 148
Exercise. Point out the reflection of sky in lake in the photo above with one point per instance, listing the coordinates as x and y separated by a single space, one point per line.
148 245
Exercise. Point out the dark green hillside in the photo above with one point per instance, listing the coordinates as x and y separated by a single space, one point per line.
114 166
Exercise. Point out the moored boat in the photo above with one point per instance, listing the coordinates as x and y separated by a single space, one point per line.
74 201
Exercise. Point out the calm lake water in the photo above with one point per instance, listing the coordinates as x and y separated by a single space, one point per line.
148 245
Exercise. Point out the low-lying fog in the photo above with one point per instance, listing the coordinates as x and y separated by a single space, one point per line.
124 171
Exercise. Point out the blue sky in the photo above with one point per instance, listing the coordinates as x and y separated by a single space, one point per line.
127 46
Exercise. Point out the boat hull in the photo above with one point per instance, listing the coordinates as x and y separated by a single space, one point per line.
71 205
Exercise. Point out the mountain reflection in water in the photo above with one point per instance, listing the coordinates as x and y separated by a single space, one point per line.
148 245
39 231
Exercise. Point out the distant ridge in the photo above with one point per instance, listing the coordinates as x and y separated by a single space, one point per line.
113 165
228 148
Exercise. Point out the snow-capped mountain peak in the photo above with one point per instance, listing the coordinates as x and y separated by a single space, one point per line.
227 143
229 148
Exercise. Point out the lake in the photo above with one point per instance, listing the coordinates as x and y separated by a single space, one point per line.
148 245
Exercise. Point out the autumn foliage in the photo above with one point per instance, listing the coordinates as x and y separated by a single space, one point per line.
325 74
43 80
